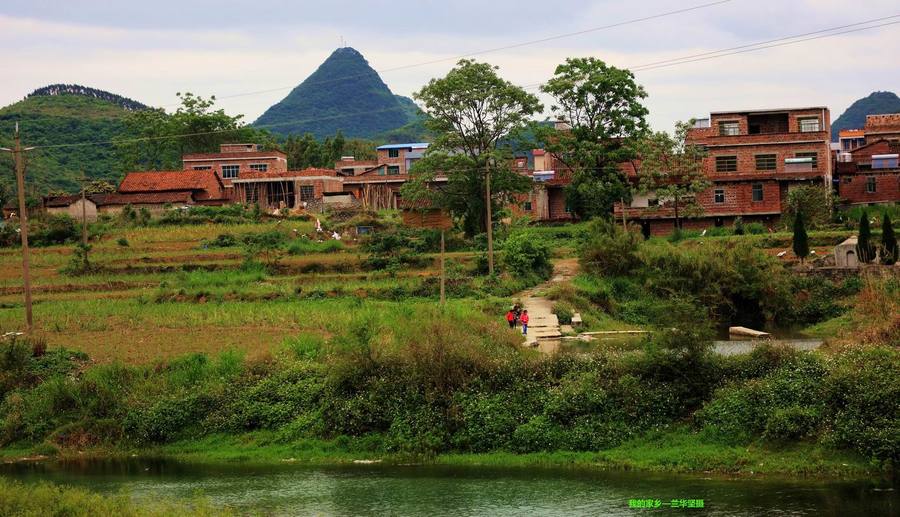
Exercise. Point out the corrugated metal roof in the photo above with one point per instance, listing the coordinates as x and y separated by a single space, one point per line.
416 145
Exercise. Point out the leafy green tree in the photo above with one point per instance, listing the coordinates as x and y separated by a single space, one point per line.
801 242
888 242
471 109
159 139
672 168
815 201
99 187
865 249
602 106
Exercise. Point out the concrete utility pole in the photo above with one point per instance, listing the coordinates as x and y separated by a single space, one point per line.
443 270
18 155
490 222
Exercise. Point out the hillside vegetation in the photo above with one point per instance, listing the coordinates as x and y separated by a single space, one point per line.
47 120
343 94
876 103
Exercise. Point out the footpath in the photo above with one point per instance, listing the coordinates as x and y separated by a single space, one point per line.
543 327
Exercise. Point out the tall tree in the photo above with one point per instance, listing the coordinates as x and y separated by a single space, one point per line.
160 139
888 242
471 109
671 167
865 249
602 105
801 241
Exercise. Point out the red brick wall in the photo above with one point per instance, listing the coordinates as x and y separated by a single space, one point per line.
739 199
557 201
746 158
852 187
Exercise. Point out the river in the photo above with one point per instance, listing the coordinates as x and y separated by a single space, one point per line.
459 491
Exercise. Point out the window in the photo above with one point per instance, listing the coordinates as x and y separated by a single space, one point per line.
653 202
720 195
729 128
260 167
202 167
230 171
526 206
765 162
393 153
809 125
726 163
348 172
814 155
870 184
307 193
393 170
757 192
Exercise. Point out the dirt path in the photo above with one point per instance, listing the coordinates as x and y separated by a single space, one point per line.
543 325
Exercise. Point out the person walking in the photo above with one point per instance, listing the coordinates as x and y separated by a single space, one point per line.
511 318
524 320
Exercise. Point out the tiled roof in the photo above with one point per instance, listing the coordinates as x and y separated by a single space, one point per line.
143 198
414 145
206 183
61 201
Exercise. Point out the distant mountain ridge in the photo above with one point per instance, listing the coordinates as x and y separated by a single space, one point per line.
62 114
87 91
877 103
343 94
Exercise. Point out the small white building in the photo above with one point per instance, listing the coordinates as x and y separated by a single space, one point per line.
845 254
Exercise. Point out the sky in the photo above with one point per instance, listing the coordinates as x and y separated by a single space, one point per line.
250 54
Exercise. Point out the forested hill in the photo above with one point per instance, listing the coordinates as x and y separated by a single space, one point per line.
876 103
344 94
86 91
47 119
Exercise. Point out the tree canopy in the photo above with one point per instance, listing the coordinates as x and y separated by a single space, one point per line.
471 110
671 167
602 106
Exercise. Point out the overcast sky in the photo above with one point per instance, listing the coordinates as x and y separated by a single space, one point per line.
150 50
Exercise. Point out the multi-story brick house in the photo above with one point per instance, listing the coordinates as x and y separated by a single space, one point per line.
547 200
235 160
869 174
886 126
754 158
286 189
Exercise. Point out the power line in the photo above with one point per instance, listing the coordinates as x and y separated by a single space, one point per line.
752 47
489 50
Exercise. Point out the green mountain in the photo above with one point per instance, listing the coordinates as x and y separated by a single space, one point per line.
877 103
64 114
344 94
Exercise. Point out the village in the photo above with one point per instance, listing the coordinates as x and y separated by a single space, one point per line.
641 283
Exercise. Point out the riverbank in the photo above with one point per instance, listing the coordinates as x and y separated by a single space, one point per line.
678 451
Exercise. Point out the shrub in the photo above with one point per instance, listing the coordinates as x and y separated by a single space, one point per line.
564 312
526 256
609 250
123 242
54 229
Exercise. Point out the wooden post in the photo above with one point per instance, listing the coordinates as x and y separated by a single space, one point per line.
490 223
443 271
23 225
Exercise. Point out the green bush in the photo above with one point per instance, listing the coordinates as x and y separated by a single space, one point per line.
123 242
525 256
564 312
609 250
53 229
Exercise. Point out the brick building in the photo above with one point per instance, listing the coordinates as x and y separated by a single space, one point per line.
286 189
236 160
885 126
753 159
869 174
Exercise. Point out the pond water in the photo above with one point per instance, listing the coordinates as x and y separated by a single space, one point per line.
458 491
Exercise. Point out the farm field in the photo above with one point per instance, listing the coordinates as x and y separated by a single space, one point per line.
167 293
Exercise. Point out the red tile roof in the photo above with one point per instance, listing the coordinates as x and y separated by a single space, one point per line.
143 198
206 184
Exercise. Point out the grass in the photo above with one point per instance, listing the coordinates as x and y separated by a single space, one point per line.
27 499
674 450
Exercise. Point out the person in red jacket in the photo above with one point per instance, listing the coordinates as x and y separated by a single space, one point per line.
523 319
511 318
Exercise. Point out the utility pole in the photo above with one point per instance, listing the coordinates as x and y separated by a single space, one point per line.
490 222
19 158
443 271
84 233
